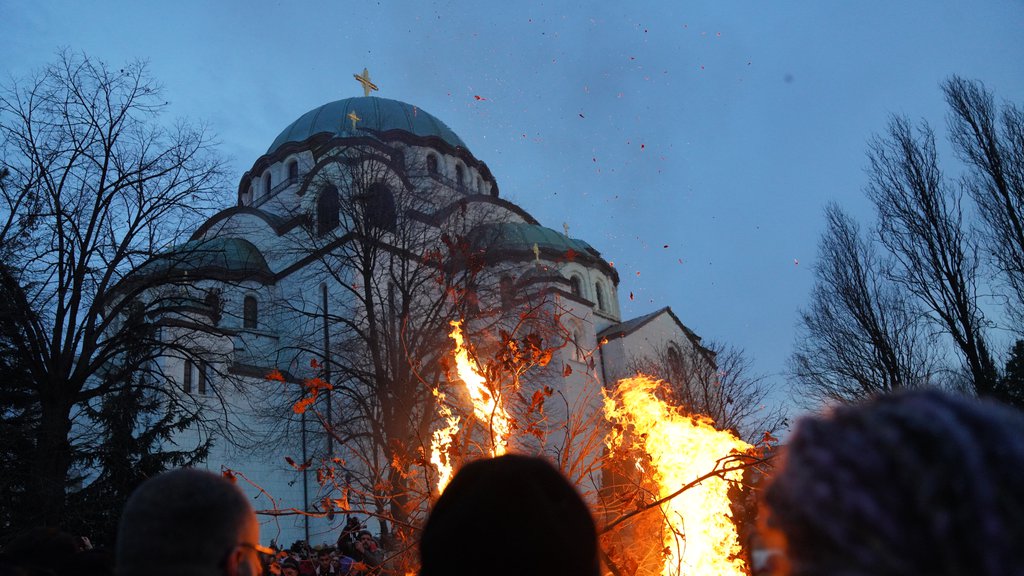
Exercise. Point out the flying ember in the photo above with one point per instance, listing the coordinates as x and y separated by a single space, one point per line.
698 533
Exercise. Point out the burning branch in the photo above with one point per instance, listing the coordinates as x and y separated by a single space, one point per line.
748 462
487 406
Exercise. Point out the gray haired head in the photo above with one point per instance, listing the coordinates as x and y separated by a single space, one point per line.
915 483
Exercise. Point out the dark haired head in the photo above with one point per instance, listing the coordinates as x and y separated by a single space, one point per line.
510 515
914 483
184 521
42 550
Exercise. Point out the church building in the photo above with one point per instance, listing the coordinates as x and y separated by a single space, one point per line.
363 231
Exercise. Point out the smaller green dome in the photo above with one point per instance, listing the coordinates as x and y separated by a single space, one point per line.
235 258
522 236
375 114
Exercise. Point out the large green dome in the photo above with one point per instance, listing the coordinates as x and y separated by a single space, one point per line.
375 114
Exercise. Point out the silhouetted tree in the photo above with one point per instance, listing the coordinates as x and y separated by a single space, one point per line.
96 187
990 140
135 426
19 411
921 223
860 334
880 323
392 266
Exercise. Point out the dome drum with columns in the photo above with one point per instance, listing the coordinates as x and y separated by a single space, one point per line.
427 145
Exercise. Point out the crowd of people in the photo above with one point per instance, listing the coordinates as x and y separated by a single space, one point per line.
357 554
907 484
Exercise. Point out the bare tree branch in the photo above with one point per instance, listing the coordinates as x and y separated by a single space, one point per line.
96 187
860 334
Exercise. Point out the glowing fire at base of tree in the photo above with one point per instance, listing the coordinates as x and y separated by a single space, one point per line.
487 405
698 534
487 409
441 442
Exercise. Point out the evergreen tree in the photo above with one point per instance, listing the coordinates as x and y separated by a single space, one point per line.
1011 385
136 427
18 414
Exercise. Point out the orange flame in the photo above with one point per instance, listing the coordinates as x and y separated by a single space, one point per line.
441 442
699 535
486 406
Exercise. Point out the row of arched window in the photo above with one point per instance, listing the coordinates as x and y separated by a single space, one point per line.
600 298
250 308
376 205
462 177
267 182
195 375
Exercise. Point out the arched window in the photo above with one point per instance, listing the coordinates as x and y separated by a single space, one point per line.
293 172
479 185
576 285
458 174
186 380
194 374
431 164
379 207
267 183
506 290
213 305
599 293
202 376
328 206
250 313
245 198
675 360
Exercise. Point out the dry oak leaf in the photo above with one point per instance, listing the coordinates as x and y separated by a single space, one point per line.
301 406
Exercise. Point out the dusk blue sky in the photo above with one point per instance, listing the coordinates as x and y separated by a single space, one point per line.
695 144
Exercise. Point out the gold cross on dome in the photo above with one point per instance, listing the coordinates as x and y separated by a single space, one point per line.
565 226
354 118
364 79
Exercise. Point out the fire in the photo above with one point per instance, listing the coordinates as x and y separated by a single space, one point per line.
487 409
698 534
441 442
486 406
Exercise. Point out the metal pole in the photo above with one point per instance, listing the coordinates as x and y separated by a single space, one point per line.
305 480
327 372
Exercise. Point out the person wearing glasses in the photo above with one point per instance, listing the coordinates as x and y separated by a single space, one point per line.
190 523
